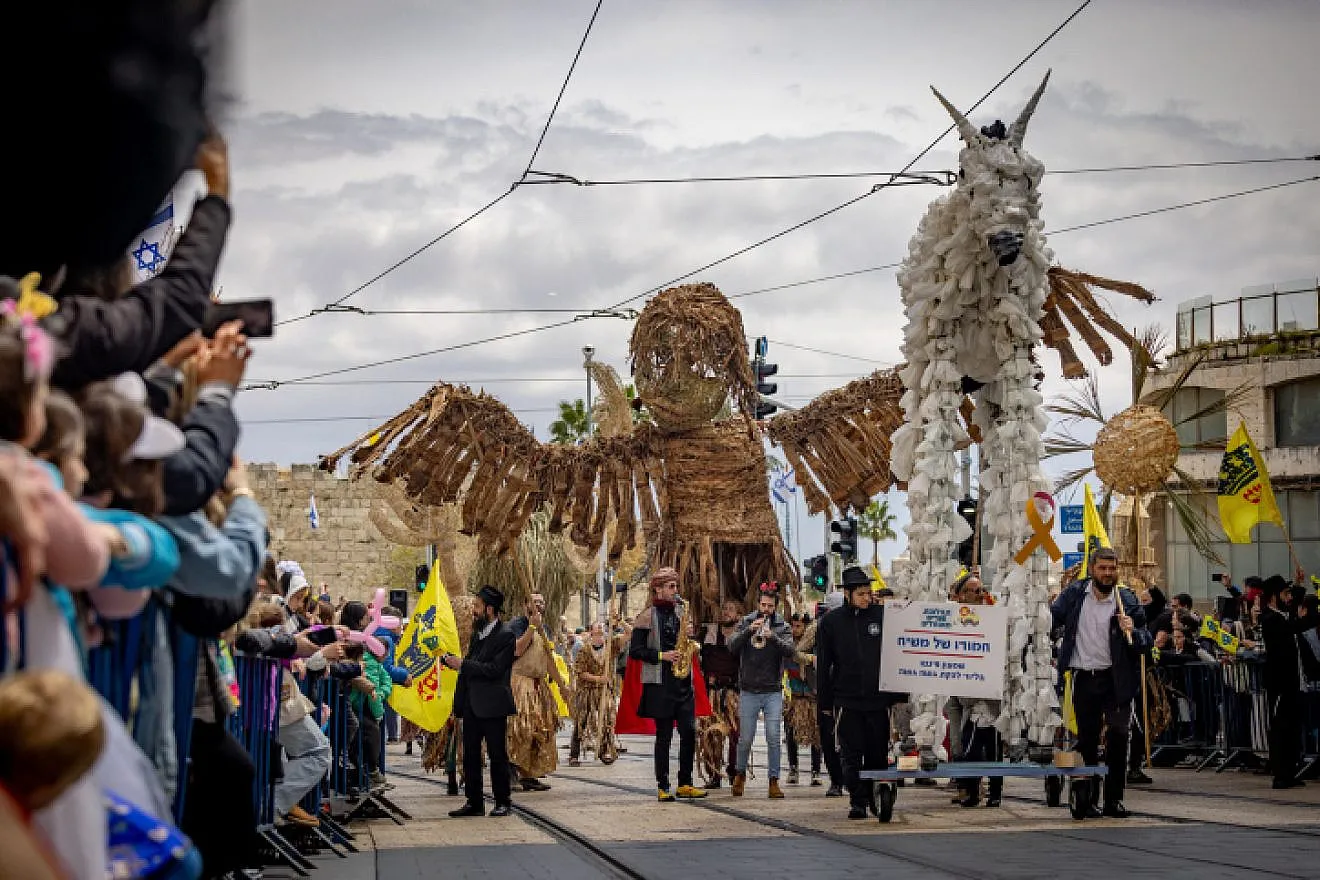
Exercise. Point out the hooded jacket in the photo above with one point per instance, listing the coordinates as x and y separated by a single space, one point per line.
848 660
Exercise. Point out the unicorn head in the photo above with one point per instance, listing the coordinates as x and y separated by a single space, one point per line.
1002 177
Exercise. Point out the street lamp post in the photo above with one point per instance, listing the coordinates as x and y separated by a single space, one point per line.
588 352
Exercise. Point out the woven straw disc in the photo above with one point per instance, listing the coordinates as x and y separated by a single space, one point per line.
1136 450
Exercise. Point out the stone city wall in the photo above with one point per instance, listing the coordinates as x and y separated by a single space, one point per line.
346 552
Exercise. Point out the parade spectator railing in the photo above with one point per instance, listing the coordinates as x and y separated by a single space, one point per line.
1221 716
256 726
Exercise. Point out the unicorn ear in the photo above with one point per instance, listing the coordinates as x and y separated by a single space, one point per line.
965 129
1019 129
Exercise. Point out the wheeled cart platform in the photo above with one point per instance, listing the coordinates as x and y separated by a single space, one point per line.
1078 780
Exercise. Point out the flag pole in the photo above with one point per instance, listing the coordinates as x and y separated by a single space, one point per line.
1145 709
1292 551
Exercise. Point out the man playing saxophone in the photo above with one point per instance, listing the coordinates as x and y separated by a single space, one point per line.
661 645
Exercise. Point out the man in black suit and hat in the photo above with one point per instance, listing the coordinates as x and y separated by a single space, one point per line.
483 699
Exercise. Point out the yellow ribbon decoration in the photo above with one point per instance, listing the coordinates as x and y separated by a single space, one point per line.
1041 536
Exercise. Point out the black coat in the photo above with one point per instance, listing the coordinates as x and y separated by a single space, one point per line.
1126 668
483 680
103 339
672 696
848 643
1282 672
196 472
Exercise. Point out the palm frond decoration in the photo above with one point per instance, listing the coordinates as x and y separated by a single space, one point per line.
1083 405
540 563
1071 297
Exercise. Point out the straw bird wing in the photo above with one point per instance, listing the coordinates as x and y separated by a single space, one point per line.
839 443
454 446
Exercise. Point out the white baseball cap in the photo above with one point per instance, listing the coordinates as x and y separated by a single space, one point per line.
159 439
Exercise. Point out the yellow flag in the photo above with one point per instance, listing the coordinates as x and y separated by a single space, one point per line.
431 631
1069 715
1093 531
1210 629
877 579
561 707
1245 494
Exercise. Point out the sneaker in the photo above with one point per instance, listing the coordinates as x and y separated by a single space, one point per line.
815 779
664 795
1137 777
793 776
776 793
691 792
739 783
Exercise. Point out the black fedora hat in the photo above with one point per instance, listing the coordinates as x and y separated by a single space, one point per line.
492 597
854 577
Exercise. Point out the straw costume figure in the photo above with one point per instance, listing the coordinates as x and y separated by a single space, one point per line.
695 481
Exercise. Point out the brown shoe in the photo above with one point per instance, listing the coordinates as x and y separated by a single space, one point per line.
299 816
739 783
775 791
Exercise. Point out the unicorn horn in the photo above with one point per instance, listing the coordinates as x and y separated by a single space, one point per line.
1019 130
965 129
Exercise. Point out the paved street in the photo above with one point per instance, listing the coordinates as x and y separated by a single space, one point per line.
1201 825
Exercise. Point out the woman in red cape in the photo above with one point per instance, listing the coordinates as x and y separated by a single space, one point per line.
655 702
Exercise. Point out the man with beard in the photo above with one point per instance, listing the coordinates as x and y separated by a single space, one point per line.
483 698
593 716
532 747
1104 636
721 668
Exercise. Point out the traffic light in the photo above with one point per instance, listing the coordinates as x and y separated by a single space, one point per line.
967 510
764 371
818 572
846 545
421 576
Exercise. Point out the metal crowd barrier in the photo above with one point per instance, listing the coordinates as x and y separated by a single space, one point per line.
1220 716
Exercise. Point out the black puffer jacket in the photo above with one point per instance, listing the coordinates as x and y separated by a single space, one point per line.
848 660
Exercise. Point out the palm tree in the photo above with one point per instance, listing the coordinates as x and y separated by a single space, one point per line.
573 426
877 523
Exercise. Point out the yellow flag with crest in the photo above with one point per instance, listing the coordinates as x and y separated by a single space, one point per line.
430 633
1245 494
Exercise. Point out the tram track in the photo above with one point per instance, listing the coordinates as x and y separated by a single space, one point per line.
599 856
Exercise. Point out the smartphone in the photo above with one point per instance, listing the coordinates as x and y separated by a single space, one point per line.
322 637
257 315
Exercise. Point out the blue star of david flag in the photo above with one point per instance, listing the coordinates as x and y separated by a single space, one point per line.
783 484
152 249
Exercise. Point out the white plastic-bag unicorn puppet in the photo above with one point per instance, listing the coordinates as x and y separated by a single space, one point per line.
974 285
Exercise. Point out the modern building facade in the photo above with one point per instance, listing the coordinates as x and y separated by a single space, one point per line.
1267 341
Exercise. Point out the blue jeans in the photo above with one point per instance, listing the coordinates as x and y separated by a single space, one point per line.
750 707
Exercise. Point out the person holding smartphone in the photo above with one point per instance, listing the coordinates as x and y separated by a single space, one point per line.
483 699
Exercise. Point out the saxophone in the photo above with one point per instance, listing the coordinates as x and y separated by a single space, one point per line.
686 648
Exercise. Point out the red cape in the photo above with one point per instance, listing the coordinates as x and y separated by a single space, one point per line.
628 721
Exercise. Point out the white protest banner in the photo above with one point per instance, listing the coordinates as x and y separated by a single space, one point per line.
944 648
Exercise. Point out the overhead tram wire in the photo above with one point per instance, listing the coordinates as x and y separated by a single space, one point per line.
504 380
333 307
1091 225
873 190
948 177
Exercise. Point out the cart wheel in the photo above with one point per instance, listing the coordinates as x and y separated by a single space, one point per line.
1079 797
888 794
1053 791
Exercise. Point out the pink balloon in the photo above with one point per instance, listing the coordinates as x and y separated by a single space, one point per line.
378 620
370 642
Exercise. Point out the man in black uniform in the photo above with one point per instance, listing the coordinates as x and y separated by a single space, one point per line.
1104 636
1283 684
484 700
848 677
666 698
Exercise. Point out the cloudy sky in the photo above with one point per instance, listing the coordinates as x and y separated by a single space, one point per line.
366 129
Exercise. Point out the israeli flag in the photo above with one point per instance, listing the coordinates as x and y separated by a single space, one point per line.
312 516
783 485
152 249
